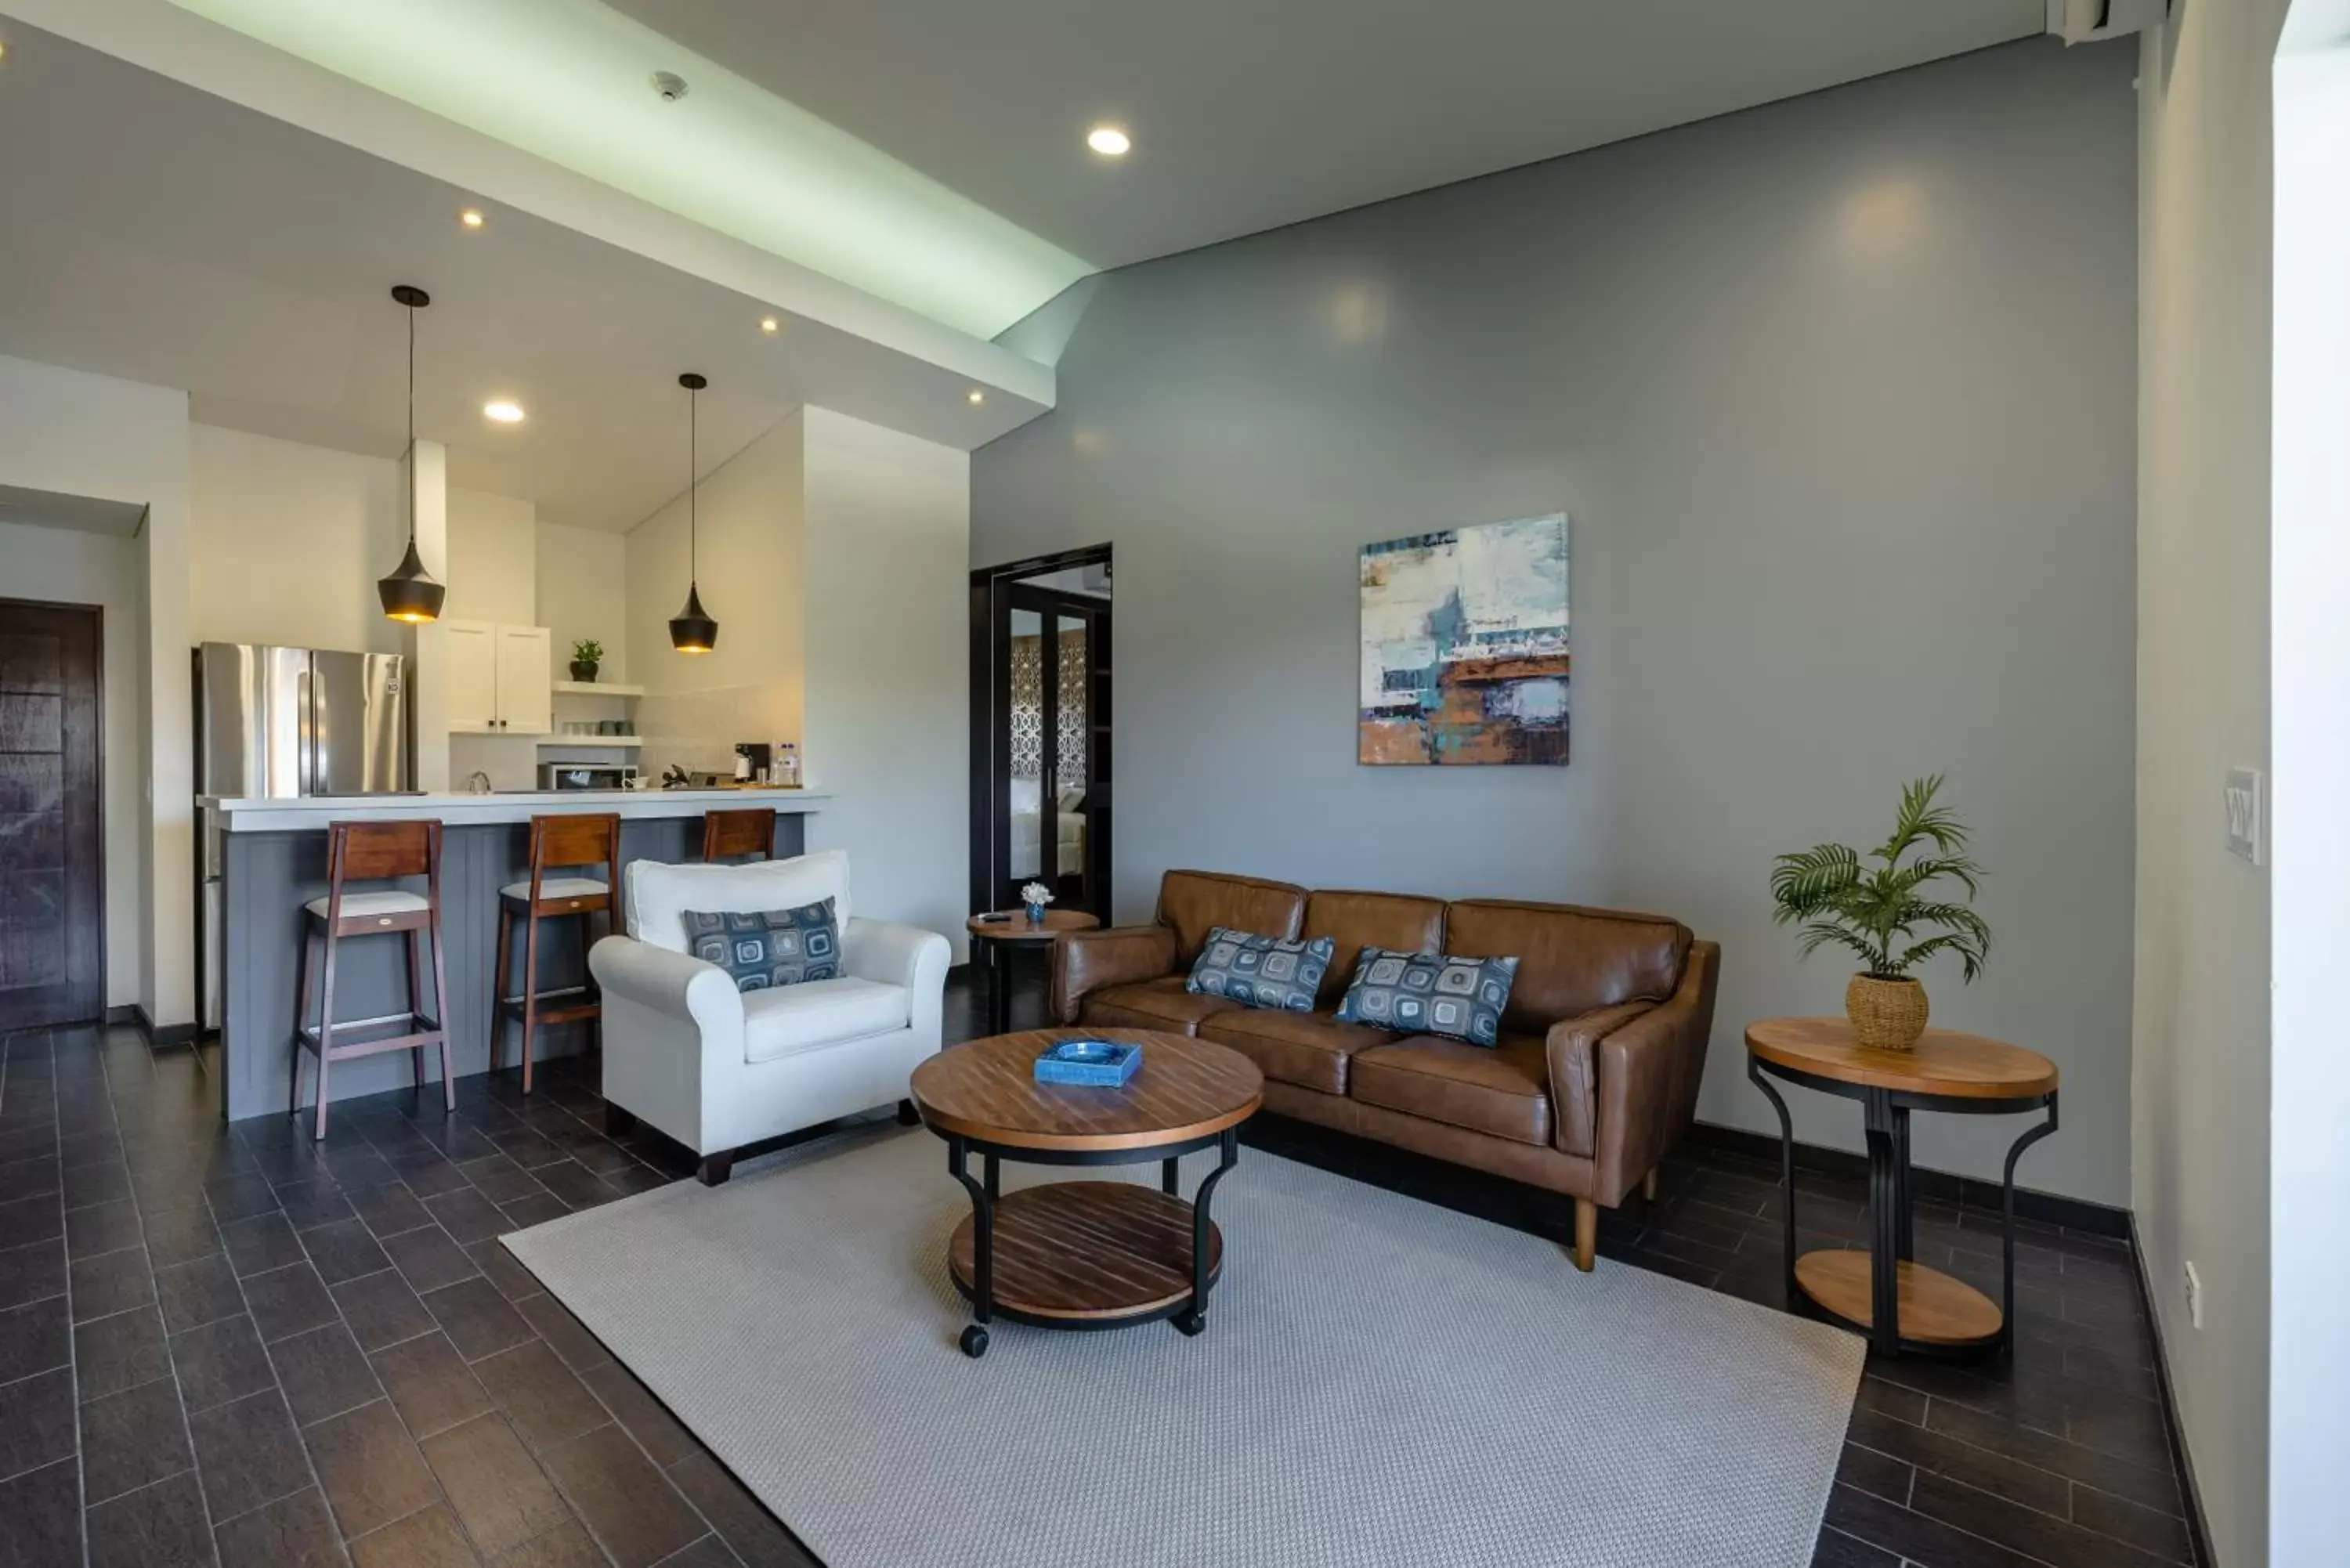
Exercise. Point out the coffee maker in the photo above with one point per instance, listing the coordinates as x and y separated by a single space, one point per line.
753 762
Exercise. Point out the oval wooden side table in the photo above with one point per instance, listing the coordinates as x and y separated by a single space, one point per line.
994 936
1900 1304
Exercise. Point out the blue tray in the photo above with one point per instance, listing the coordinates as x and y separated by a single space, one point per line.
1101 1064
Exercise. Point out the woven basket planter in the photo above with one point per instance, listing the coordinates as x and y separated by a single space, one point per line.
1886 1015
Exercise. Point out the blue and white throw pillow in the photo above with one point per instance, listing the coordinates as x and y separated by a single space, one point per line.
780 946
1430 993
1261 972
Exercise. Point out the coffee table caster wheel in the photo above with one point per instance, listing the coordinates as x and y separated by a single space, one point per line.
975 1342
1188 1324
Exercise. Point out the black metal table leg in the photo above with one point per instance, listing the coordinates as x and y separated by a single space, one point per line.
1194 1318
1170 1173
982 1245
1905 1245
1884 1225
999 988
1786 1178
2007 1224
992 1169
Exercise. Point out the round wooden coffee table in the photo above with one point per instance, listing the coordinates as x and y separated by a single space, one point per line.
1899 1303
998 935
1086 1254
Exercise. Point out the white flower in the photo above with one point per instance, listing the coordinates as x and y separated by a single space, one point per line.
1036 893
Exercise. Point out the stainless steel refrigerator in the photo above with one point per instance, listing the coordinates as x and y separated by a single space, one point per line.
287 722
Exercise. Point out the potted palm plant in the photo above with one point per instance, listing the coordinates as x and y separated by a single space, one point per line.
586 655
1892 914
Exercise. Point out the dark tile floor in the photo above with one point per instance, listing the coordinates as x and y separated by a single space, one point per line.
226 1344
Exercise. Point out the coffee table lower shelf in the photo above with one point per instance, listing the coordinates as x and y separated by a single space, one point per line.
1932 1309
1086 1254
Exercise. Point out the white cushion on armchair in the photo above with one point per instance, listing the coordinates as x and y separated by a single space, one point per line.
716 1068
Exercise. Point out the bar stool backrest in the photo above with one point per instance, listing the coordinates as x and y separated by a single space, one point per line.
731 832
559 843
380 852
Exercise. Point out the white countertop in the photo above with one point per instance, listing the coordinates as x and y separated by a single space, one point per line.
302 813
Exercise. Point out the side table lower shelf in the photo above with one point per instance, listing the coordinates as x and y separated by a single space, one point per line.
1934 1309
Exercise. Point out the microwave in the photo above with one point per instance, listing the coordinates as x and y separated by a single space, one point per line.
586 775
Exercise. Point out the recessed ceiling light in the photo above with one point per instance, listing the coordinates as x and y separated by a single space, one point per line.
504 410
975 397
472 218
1109 140
769 324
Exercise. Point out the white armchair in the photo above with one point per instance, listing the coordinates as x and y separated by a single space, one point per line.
716 1068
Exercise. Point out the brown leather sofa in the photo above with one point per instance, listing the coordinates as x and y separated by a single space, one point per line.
1602 1045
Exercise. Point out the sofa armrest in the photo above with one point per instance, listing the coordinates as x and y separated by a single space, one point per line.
1085 962
1648 1074
675 985
1572 1047
903 955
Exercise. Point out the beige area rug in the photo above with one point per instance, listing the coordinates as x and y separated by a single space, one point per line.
1381 1382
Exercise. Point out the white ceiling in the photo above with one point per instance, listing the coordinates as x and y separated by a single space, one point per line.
1248 115
165 235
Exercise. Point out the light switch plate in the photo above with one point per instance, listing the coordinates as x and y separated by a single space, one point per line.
2244 812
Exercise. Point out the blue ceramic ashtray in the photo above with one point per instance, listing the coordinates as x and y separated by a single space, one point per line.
1103 1063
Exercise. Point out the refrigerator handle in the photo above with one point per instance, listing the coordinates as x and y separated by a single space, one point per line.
306 724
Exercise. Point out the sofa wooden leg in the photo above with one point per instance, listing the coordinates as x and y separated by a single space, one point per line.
1649 1187
618 1123
716 1167
1586 1234
907 1116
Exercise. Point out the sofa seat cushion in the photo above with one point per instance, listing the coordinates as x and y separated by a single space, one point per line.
1160 1004
785 1020
1307 1049
1501 1090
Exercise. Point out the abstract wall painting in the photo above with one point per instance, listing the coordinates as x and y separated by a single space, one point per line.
1465 646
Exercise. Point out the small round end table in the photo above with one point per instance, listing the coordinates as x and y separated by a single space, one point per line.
1888 1294
994 936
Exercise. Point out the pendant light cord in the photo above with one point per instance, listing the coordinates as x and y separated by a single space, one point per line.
692 486
411 427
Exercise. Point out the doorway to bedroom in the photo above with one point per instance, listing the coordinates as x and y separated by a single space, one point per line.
1041 711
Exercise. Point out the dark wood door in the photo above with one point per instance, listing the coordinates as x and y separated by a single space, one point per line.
52 866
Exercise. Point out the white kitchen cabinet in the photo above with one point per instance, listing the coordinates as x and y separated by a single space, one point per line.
525 680
496 680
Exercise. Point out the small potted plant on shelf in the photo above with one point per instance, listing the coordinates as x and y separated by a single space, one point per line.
586 655
1889 913
1036 896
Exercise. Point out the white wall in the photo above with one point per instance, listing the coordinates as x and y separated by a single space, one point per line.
2309 1344
493 559
290 541
77 434
887 526
697 706
40 559
583 592
2200 1077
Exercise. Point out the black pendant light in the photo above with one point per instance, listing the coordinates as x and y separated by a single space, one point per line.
691 631
409 593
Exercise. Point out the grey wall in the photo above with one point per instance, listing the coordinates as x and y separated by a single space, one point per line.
1839 394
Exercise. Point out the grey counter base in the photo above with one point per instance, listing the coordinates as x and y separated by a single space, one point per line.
268 876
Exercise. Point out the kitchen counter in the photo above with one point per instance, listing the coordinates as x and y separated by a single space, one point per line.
273 859
300 812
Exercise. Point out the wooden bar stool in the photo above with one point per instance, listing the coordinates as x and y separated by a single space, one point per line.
726 833
372 852
557 844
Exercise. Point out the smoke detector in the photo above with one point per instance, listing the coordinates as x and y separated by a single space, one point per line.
670 85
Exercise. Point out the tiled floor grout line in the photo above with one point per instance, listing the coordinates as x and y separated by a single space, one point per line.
73 1337
204 1496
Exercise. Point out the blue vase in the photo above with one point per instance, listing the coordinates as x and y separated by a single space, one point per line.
1035 914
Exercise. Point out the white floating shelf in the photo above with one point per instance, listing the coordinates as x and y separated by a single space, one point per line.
595 742
595 688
